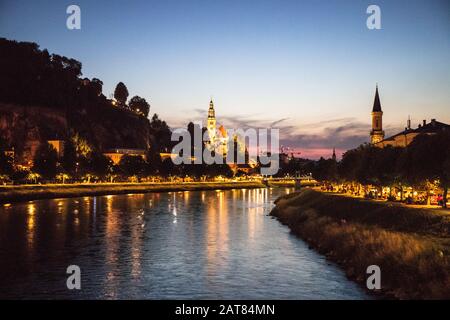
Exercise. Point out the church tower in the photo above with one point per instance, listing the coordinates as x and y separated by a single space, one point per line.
377 133
211 122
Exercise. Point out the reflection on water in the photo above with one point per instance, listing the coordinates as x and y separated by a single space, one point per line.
202 244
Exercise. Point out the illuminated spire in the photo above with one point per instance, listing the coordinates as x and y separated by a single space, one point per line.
211 112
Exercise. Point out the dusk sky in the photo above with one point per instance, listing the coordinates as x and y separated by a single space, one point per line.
306 67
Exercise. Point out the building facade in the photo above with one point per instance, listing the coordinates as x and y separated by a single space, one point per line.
403 138
58 145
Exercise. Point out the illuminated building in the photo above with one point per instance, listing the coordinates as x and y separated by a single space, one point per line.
218 137
116 154
58 145
403 138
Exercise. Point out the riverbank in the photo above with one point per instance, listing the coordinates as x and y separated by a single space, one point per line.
290 183
10 194
410 245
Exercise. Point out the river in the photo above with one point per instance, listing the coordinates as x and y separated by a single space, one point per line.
176 245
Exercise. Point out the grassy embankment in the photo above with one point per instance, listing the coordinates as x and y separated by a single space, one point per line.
411 246
33 192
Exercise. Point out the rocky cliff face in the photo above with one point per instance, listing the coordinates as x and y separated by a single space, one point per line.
111 127
24 128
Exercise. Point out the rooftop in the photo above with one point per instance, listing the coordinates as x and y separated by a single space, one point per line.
433 126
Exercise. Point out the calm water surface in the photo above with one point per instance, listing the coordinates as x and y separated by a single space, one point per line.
193 245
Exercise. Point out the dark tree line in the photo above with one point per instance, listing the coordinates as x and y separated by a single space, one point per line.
33 77
84 164
422 164
30 76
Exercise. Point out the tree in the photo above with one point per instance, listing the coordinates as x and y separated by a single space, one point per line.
386 166
368 164
6 163
62 177
82 147
160 142
99 164
45 161
33 177
154 163
167 167
132 165
139 105
97 86
121 93
160 135
31 76
325 170
445 183
427 160
348 166
223 170
69 159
